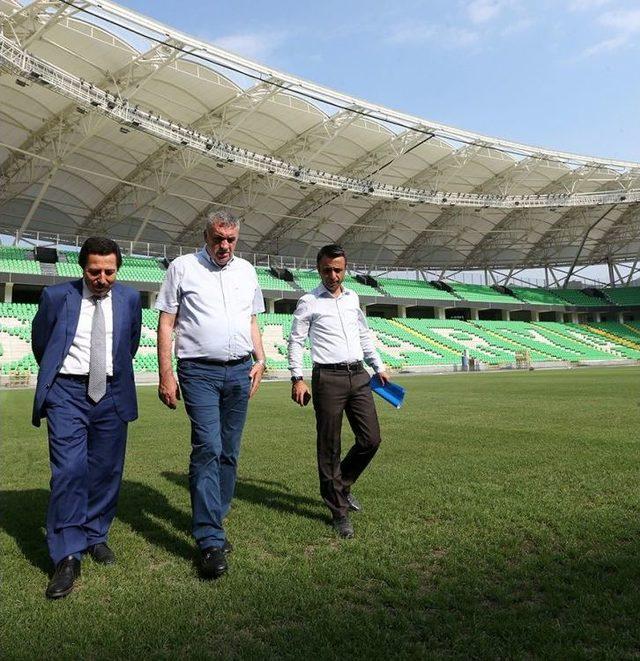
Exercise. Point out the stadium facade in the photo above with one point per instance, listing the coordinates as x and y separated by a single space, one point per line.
115 124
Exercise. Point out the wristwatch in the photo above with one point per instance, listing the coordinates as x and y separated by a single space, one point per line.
295 379
260 362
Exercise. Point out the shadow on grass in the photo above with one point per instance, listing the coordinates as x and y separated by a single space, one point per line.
140 506
274 495
23 518
145 509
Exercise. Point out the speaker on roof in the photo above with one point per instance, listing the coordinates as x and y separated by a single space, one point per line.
165 261
46 255
281 273
501 289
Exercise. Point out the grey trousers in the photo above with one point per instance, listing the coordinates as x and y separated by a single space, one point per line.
334 392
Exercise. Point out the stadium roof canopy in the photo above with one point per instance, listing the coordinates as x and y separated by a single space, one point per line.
113 123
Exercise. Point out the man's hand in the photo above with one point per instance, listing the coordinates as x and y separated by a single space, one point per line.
300 393
384 378
257 370
169 391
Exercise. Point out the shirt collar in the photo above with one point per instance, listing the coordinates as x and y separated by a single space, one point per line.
321 290
205 254
87 293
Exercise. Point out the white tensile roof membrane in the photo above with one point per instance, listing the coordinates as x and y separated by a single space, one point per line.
69 170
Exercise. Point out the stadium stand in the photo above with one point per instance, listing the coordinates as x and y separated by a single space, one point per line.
623 334
308 280
402 288
140 269
403 343
480 293
360 288
578 297
623 295
275 329
269 282
133 269
18 260
536 296
570 338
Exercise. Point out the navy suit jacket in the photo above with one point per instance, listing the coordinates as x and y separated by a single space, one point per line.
54 328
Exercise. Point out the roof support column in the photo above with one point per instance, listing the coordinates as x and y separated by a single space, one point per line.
584 240
612 277
36 203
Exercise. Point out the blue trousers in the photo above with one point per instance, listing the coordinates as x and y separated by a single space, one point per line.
86 450
216 400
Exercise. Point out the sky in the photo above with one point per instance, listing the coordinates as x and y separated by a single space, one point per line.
561 74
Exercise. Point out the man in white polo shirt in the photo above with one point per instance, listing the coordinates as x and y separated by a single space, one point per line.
331 318
211 299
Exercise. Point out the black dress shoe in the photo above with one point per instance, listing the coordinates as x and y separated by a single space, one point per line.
227 547
102 553
354 505
213 562
61 583
343 527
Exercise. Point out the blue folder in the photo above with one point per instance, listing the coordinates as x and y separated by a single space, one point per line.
392 392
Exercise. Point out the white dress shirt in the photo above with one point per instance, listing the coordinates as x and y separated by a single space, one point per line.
336 328
77 360
214 305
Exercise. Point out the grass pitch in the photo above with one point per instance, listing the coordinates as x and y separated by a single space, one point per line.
501 519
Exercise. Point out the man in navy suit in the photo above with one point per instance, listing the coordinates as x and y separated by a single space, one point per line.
84 337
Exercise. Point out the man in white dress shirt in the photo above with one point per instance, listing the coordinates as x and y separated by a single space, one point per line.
331 318
211 299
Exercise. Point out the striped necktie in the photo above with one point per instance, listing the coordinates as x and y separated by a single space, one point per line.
98 354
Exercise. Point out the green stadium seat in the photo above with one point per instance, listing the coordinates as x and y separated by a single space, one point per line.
623 295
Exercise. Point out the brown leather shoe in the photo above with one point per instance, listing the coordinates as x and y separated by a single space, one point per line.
61 583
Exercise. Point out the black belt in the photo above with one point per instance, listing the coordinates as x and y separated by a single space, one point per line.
83 378
220 363
345 367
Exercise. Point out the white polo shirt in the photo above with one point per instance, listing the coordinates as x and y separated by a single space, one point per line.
336 328
213 305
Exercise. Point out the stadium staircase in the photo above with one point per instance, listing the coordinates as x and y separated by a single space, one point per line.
48 269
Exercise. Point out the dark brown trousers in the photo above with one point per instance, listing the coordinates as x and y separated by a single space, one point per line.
334 392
